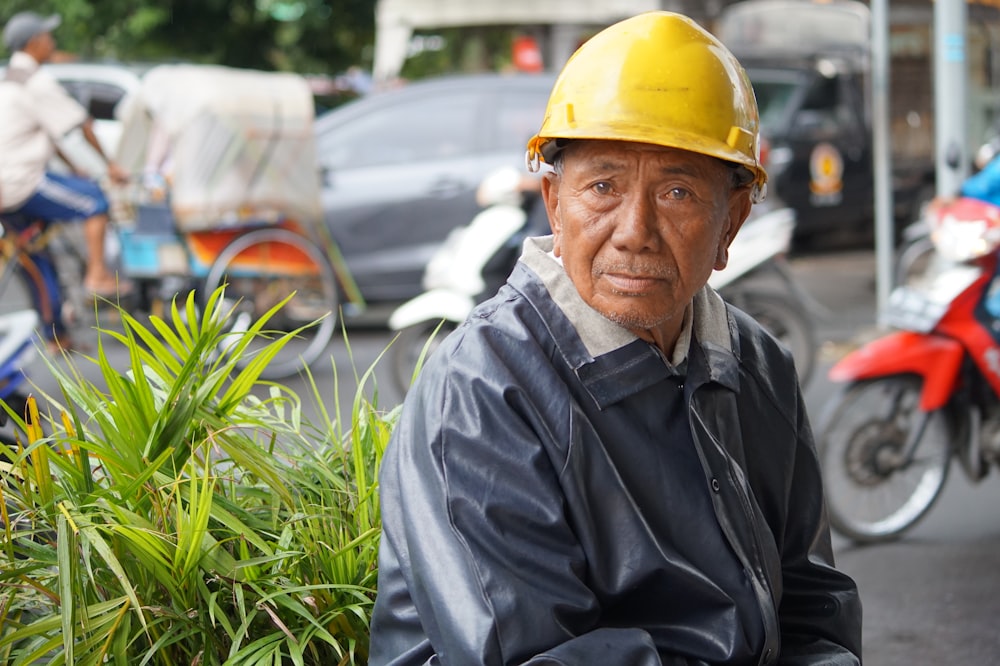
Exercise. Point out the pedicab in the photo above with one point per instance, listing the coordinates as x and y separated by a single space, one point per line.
227 192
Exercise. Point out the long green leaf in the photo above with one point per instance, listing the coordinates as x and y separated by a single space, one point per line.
65 552
92 536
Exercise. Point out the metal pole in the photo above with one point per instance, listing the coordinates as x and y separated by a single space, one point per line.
950 95
881 155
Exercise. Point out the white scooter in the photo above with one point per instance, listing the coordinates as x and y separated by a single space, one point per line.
476 259
471 264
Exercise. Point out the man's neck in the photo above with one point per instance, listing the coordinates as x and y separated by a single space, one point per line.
25 60
36 56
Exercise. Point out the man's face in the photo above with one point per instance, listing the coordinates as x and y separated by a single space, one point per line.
640 228
41 46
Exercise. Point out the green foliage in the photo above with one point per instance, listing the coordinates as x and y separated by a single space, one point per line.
307 36
184 512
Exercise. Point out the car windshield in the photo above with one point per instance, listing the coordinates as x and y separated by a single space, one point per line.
774 91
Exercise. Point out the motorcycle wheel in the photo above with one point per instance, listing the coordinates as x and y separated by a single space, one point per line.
789 325
413 346
872 494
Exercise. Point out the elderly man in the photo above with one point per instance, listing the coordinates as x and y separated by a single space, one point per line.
607 464
35 113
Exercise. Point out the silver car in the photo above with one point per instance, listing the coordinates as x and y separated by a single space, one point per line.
400 168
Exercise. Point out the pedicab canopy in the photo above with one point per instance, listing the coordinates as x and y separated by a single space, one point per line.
232 146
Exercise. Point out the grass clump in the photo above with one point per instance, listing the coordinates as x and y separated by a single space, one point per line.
183 511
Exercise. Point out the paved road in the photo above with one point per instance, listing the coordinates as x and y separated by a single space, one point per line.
931 598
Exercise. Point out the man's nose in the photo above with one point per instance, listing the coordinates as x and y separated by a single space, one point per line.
635 228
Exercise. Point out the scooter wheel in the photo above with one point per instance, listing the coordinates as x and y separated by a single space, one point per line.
786 323
414 345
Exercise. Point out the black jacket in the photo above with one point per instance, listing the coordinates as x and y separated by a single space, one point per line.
523 521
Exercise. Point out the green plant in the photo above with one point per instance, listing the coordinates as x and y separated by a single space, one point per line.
186 512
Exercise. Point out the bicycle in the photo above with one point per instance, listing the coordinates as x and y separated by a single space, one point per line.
41 269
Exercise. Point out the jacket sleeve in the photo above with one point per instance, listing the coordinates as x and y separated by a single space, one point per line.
478 564
820 610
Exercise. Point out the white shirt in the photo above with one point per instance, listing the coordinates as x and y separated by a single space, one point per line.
33 117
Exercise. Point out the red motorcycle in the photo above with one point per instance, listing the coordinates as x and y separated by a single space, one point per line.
926 392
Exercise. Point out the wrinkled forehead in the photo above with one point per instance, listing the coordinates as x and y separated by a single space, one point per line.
613 154
608 151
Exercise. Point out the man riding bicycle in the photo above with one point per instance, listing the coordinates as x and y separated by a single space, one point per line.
35 113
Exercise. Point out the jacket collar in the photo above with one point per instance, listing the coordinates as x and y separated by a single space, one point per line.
611 361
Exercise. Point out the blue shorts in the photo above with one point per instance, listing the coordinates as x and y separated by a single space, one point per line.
64 198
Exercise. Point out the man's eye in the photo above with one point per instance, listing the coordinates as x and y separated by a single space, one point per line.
678 193
602 187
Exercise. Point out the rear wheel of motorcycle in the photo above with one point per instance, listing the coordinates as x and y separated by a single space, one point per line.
873 494
414 345
789 325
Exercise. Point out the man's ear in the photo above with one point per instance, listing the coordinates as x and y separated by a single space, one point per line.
739 210
550 195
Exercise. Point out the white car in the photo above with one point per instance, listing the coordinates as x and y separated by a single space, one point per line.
99 87
400 168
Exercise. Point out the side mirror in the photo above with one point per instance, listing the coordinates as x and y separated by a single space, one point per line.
953 155
325 175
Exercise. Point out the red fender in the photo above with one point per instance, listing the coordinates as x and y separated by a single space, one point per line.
934 358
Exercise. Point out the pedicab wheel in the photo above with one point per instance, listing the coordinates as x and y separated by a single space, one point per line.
874 490
260 269
413 345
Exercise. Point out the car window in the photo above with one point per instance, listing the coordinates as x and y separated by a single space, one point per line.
519 114
98 98
417 130
826 104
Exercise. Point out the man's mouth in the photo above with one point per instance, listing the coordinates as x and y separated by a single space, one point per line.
626 284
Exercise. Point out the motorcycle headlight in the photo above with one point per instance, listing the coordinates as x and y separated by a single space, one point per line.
964 239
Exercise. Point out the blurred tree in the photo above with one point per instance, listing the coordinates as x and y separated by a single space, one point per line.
308 36
466 49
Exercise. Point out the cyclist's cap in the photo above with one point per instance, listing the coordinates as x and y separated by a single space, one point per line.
25 25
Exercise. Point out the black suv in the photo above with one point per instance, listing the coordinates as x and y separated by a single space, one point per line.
400 168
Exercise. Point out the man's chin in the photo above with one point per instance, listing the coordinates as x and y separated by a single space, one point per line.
633 319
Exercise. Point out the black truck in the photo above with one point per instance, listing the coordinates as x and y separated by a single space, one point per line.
810 68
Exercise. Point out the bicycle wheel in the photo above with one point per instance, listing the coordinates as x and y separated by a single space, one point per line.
261 268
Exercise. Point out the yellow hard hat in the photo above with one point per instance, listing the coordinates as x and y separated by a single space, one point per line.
657 78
